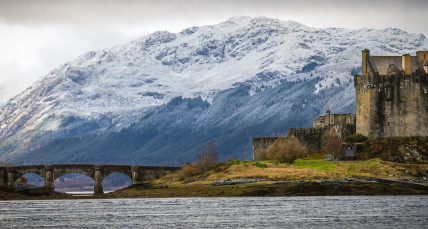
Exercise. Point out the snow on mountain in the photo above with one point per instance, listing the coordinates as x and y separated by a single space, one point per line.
116 87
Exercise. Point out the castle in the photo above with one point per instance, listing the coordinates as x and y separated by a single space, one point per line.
391 101
392 95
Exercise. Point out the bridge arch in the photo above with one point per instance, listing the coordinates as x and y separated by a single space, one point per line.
72 181
115 181
18 174
64 171
32 180
35 179
110 171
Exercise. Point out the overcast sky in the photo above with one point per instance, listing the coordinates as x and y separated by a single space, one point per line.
39 35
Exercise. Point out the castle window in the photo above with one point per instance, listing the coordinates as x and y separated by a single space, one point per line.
388 93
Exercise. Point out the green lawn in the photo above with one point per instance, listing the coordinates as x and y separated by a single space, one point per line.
323 165
317 164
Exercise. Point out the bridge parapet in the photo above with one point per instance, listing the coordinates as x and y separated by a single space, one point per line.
138 174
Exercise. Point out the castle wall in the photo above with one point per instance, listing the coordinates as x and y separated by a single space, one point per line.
342 119
312 137
309 137
331 119
405 105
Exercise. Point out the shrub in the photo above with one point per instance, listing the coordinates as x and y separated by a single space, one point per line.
286 150
258 164
262 155
332 144
356 138
22 179
206 161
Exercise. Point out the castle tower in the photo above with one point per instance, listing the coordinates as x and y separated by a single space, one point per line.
327 116
405 64
392 96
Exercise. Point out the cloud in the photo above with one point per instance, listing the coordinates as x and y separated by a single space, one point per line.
174 14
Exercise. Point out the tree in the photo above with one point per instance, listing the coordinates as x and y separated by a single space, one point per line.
22 179
356 138
208 157
331 144
286 150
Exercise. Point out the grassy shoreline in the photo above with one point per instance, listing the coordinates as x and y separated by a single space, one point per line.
306 177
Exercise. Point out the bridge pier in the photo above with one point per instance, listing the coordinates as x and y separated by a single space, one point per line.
134 174
10 179
49 180
98 186
3 177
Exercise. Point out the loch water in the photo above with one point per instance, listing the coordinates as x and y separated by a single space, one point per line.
260 212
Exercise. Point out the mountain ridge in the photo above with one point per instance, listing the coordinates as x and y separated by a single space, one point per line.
105 91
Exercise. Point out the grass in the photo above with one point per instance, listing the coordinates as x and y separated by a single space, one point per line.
258 164
316 164
309 169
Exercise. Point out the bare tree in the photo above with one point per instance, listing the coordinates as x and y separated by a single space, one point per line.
331 144
208 157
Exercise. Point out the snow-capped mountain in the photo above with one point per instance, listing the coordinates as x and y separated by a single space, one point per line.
241 74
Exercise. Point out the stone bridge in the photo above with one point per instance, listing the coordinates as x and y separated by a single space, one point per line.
137 173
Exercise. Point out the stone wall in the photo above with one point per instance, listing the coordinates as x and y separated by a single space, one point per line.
334 119
312 137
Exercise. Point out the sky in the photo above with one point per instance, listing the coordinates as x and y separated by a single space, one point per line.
37 36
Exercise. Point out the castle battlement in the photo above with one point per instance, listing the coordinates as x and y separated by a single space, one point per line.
332 119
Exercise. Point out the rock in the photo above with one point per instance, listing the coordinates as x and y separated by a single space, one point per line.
235 181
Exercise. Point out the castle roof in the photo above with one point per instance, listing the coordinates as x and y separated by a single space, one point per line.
381 63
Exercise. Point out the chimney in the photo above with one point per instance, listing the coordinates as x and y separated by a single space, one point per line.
405 63
365 63
421 55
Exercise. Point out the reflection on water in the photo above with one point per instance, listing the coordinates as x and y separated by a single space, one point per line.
301 212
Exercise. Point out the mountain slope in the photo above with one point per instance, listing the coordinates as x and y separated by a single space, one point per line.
160 97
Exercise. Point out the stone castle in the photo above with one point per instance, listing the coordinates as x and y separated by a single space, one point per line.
391 101
392 95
